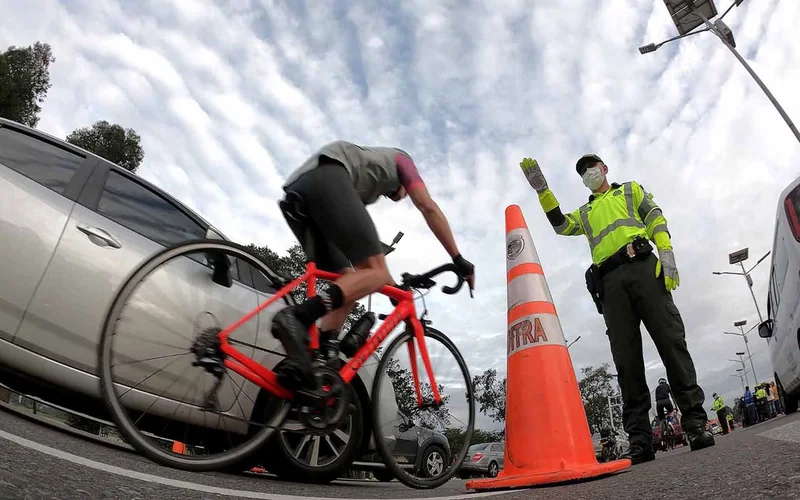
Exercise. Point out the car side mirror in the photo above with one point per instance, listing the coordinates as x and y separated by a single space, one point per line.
765 329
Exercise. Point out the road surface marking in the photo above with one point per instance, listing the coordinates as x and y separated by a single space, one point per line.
175 483
788 432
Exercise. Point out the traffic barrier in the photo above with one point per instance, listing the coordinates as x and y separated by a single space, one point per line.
547 434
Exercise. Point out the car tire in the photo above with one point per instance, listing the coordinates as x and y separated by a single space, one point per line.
433 461
789 403
383 475
280 452
493 470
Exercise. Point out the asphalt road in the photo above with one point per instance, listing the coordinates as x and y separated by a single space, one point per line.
37 462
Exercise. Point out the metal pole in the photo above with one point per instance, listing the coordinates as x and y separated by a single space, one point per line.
753 74
747 346
610 413
749 281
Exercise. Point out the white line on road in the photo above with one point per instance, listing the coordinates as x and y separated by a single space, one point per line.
63 455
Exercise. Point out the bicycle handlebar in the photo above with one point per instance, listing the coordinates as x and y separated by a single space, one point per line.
424 280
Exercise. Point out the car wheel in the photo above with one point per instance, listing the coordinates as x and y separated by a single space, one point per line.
383 475
297 455
788 403
493 469
433 461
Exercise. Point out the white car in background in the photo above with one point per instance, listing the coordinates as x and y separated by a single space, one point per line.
782 327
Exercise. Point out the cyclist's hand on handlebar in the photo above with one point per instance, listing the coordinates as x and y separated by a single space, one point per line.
466 269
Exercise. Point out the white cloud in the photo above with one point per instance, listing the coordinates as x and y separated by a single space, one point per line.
230 98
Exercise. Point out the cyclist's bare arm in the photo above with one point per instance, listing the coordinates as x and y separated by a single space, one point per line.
435 218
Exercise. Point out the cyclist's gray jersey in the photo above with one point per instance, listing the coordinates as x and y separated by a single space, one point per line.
373 170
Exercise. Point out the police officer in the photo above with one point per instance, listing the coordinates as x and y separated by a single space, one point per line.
630 285
721 411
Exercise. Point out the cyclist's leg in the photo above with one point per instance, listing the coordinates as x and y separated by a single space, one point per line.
338 213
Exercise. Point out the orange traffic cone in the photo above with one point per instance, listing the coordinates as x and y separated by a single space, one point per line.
547 435
178 447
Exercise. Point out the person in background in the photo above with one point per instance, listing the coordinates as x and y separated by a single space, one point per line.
778 406
720 409
750 402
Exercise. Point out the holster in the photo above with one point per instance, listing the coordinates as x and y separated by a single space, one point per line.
594 283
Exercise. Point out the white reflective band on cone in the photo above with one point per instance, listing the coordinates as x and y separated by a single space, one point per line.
528 288
519 248
534 330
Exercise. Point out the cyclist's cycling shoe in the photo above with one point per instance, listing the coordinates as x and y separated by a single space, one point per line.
699 438
296 371
640 452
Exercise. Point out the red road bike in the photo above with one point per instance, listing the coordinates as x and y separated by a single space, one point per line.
214 432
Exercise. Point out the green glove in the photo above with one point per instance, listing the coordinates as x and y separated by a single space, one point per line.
534 174
666 261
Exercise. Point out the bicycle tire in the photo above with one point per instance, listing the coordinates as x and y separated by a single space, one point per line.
221 461
388 460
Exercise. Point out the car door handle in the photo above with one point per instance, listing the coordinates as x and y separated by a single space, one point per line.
101 234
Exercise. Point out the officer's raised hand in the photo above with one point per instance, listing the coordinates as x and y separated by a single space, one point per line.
666 263
533 173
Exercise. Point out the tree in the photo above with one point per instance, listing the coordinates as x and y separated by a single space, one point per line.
406 397
491 395
24 82
112 142
595 387
293 265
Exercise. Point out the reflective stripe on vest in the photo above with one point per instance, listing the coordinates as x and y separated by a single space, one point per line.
596 238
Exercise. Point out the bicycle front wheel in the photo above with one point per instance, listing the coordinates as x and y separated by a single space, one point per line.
162 372
423 445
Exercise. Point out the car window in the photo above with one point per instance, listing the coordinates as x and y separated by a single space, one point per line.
40 161
142 210
477 447
497 447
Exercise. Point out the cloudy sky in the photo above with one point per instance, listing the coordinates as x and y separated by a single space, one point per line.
229 97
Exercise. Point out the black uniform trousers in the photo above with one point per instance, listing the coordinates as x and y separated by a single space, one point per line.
632 295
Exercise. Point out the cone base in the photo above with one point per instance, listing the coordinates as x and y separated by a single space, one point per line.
523 480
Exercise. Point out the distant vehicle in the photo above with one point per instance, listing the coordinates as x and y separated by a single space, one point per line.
425 451
485 459
73 226
782 326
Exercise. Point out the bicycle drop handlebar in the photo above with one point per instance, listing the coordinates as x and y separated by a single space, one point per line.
425 280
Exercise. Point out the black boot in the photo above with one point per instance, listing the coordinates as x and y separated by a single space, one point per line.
296 371
699 437
640 452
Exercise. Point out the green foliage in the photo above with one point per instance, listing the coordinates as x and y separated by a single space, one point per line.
24 82
112 142
595 387
490 393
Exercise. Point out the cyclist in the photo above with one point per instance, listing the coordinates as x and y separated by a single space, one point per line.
336 183
664 406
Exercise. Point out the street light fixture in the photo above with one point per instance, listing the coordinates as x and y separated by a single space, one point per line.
690 14
743 334
573 342
738 257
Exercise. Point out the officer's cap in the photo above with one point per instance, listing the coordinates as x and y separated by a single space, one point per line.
585 162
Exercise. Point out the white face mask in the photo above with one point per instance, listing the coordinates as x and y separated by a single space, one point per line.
593 178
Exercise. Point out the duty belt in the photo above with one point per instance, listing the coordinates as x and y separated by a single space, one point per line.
637 249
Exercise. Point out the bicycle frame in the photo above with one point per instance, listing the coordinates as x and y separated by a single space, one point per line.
405 311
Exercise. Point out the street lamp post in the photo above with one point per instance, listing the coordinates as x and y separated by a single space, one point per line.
744 367
738 257
690 14
573 342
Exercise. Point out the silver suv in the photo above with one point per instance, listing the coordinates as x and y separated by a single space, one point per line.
73 226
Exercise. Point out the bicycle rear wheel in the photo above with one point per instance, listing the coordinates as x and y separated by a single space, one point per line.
162 373
423 446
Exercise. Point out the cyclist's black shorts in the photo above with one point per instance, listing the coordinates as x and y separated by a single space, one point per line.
343 232
663 407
